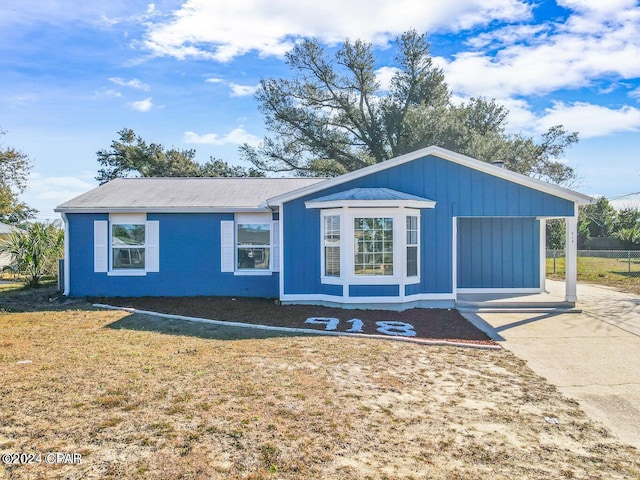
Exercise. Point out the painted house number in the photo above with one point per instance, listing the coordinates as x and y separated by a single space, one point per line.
386 327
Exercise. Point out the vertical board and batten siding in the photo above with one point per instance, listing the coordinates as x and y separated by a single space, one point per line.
496 253
189 261
459 192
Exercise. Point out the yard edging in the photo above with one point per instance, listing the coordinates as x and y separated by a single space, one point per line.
299 330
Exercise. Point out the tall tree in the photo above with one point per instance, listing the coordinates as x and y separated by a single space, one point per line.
334 116
14 176
130 155
596 220
627 226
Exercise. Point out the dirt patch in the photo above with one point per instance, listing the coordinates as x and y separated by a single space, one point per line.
435 324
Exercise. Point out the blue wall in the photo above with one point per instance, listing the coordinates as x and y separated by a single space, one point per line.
497 253
189 262
458 191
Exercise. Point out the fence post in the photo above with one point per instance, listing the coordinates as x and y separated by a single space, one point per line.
629 260
555 253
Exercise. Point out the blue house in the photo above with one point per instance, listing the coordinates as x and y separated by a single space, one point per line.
416 230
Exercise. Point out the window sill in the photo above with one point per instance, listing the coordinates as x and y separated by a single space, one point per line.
253 273
126 273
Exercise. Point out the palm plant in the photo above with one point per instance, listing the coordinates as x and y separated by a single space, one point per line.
35 251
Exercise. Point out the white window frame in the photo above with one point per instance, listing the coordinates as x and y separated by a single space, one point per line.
257 219
406 248
347 246
151 247
332 280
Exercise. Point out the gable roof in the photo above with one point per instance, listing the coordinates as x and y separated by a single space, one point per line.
171 194
445 154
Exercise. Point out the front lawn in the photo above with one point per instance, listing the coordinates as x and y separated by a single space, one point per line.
141 398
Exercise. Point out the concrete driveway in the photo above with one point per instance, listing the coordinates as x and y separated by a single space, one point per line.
592 355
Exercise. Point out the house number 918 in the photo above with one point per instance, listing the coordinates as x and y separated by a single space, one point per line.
386 327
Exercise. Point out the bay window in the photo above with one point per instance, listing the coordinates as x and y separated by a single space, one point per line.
370 245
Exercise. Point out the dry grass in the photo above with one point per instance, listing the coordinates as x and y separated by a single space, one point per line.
141 398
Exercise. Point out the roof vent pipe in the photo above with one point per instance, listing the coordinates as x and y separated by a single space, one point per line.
498 163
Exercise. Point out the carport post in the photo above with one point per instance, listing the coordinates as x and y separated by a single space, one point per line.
571 259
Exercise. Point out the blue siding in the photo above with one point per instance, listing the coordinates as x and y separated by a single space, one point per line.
189 262
458 191
498 253
374 290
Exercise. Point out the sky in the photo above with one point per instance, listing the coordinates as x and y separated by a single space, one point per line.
183 74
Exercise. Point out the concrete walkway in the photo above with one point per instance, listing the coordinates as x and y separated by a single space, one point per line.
592 354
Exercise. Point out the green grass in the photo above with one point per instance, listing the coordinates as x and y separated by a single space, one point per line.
612 272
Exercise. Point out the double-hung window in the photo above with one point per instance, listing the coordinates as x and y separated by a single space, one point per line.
412 246
250 244
128 246
253 246
331 248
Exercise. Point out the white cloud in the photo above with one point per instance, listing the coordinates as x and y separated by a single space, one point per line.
591 120
107 93
237 90
635 94
46 193
142 105
384 76
237 136
242 90
205 29
595 42
134 83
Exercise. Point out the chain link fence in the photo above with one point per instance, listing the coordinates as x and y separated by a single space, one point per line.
620 262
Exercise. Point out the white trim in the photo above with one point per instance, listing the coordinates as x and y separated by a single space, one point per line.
101 246
371 204
152 246
274 259
342 299
427 300
445 155
119 218
454 256
253 219
325 279
252 273
227 246
67 280
543 253
127 273
499 290
127 219
571 257
282 252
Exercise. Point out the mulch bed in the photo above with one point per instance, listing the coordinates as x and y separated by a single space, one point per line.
436 324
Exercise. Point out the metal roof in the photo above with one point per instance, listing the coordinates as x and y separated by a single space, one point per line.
184 194
362 197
